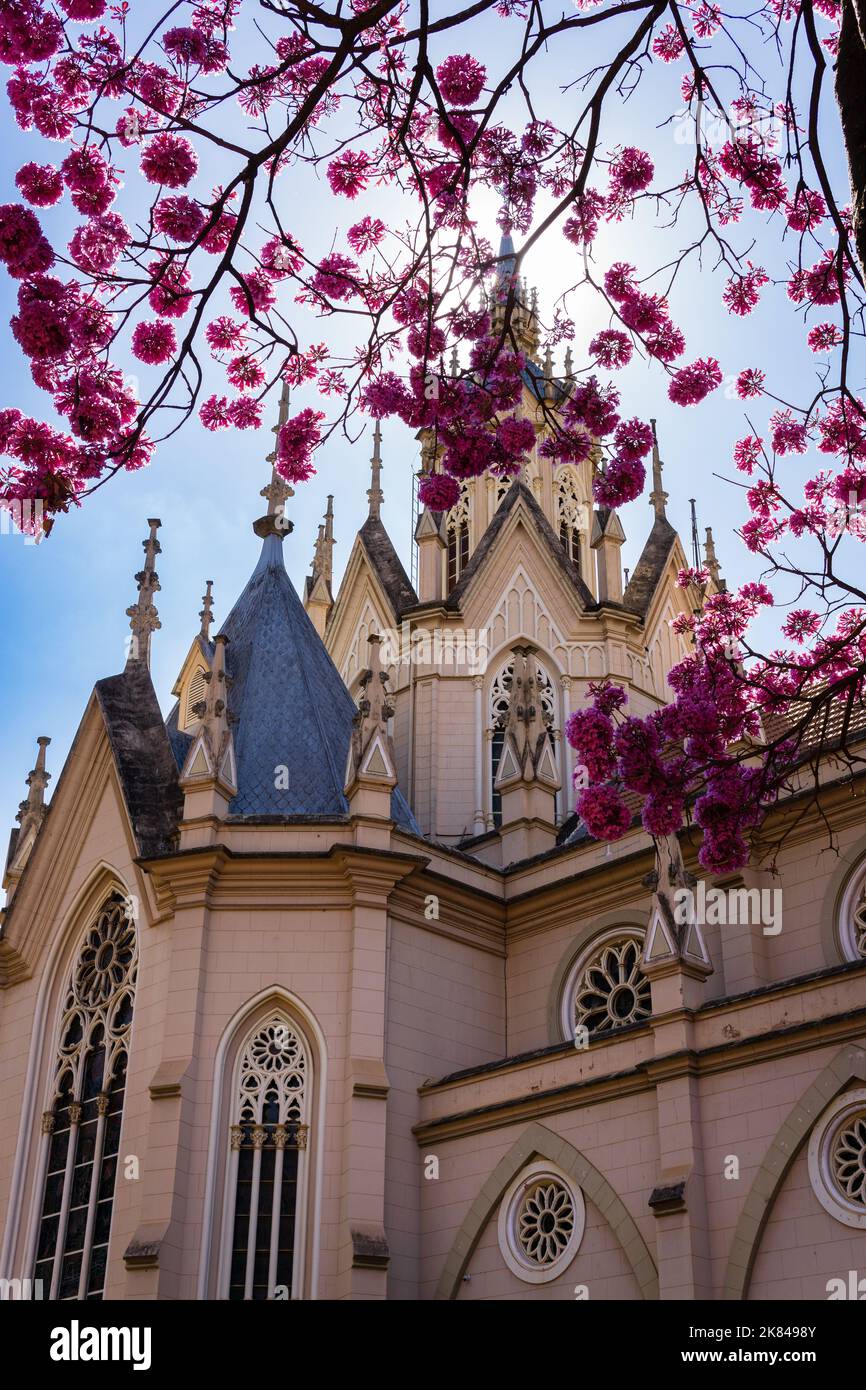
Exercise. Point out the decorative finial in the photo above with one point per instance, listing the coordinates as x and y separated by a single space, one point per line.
31 811
569 364
696 547
206 613
371 751
711 560
143 617
658 497
547 368
374 492
455 361
526 753
278 491
211 755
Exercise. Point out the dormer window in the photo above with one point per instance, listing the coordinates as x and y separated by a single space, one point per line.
196 691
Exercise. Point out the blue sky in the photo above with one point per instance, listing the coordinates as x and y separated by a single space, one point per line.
62 604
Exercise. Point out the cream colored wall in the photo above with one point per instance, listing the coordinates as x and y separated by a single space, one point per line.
446 1010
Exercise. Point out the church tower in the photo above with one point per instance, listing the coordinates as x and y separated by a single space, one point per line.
529 563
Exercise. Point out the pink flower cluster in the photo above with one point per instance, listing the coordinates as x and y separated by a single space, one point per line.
296 443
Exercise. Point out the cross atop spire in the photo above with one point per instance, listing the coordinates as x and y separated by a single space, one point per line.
206 613
278 491
143 617
658 497
374 493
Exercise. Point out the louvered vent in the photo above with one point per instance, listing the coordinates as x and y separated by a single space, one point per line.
197 691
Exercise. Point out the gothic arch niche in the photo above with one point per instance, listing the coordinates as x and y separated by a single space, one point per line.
264 1167
497 713
76 1167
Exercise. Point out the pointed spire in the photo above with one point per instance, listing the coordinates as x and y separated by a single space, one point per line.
711 560
277 492
328 542
455 362
206 613
143 617
569 364
31 812
658 497
374 493
674 943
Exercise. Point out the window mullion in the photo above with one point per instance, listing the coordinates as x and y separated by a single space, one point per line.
259 1137
103 1101
280 1137
75 1110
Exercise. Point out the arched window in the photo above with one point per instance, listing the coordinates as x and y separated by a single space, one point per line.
571 514
266 1179
500 694
457 530
81 1130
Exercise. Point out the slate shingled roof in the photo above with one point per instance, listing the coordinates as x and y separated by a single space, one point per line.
148 773
288 703
650 567
387 565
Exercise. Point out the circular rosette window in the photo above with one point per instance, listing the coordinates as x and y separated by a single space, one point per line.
541 1222
837 1159
606 988
107 957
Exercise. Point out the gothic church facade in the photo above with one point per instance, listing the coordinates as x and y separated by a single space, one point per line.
317 989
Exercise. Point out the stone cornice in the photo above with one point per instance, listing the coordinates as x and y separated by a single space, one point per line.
734 1055
217 876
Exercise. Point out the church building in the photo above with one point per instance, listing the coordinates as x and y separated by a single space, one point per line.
318 989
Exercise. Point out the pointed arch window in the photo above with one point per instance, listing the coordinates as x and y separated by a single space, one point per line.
457 532
571 514
267 1167
81 1128
500 693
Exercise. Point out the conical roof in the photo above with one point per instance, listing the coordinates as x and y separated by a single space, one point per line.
289 706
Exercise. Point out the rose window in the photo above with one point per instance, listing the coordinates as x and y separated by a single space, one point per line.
848 1159
611 990
859 924
275 1048
837 1159
106 958
541 1222
545 1222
